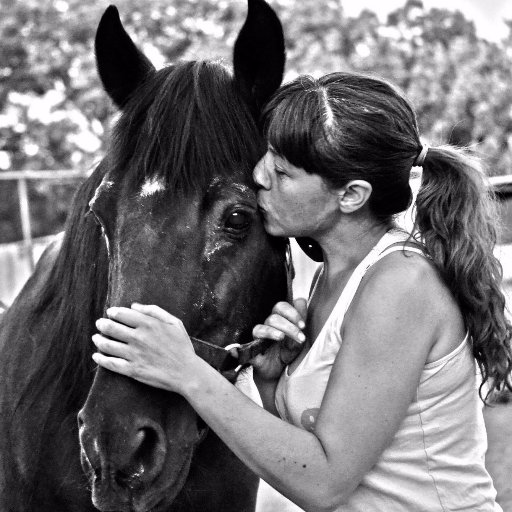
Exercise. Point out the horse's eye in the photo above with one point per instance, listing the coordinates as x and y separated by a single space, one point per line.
238 221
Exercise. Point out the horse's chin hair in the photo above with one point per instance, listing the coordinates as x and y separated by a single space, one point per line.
156 501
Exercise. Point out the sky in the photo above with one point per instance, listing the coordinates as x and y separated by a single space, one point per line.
488 15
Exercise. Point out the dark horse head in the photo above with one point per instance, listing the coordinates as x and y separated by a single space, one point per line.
178 212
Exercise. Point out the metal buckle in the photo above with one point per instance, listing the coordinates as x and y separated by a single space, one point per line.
227 348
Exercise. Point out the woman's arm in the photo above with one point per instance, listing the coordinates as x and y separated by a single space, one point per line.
374 378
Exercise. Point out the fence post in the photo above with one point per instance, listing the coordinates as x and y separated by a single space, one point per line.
25 221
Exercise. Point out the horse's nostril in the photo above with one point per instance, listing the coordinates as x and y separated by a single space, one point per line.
143 459
148 451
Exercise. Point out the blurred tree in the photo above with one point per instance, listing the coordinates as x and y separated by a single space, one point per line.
54 114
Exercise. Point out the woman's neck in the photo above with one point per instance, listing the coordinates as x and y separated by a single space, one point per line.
347 245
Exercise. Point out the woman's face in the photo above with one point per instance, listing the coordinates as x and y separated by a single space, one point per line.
293 202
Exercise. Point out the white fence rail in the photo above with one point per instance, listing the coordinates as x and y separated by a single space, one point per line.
21 177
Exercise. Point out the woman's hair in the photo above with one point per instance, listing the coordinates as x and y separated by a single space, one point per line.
345 127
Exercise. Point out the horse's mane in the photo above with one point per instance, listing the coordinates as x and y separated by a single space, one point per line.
186 124
48 363
62 318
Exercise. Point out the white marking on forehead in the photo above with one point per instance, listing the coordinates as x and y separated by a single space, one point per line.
329 116
152 186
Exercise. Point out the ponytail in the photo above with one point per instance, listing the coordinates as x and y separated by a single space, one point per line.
456 220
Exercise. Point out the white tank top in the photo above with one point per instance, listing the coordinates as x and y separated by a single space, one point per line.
436 459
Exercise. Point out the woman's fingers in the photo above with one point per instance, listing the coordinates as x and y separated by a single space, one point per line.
111 347
290 329
114 364
291 313
139 313
277 328
156 312
286 320
127 316
268 332
116 330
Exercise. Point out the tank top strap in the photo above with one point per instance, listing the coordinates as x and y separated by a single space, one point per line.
393 240
404 245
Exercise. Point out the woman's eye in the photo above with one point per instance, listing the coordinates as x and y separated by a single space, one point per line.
238 221
279 172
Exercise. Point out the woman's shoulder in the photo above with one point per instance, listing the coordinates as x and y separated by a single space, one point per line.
402 271
409 289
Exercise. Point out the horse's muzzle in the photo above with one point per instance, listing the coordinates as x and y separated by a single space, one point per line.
123 464
136 448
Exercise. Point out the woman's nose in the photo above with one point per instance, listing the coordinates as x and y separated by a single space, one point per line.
260 174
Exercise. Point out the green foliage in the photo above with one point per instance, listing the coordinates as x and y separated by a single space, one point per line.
54 114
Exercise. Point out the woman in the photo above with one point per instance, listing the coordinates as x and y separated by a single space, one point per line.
379 410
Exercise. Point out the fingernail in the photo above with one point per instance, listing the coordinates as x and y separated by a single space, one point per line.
111 311
302 324
98 323
301 336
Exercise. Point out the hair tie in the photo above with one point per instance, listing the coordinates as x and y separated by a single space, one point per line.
420 159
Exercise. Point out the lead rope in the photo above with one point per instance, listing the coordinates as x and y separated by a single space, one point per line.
290 272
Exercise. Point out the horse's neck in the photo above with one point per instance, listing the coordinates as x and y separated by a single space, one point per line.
14 336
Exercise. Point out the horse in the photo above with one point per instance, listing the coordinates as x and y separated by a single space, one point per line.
169 217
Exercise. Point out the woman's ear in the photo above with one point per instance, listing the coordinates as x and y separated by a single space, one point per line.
354 195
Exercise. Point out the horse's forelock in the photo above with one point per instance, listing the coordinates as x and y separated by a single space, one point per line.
185 125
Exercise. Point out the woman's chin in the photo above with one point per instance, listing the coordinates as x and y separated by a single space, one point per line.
274 230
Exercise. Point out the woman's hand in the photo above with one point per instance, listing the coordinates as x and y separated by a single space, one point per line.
153 347
285 326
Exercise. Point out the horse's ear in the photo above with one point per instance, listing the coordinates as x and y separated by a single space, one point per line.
121 65
259 55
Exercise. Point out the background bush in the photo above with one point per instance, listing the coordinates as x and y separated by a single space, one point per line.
54 114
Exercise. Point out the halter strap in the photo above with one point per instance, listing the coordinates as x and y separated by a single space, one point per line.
221 359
